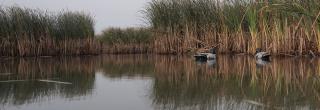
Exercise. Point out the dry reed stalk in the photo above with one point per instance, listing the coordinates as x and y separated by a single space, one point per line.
281 27
28 32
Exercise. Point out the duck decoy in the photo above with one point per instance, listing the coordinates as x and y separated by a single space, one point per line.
262 55
206 56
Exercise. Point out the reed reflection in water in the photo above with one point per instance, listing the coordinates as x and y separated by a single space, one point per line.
173 82
236 82
25 74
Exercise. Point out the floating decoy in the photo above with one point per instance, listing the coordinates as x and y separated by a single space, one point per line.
206 56
262 55
311 54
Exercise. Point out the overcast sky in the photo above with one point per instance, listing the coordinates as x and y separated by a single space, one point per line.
107 13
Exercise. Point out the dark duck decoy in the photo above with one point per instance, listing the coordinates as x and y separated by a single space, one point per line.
262 55
206 56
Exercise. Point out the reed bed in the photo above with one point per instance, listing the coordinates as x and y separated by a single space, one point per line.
126 41
282 27
29 32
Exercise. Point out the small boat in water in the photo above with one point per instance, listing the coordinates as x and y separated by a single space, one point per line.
206 56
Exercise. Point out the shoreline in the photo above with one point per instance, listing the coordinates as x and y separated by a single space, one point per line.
153 54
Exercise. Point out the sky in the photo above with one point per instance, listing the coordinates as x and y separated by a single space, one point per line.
107 13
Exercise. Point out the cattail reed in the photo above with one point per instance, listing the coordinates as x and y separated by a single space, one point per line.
126 41
282 27
28 32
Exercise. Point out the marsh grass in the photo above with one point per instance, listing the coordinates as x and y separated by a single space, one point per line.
126 41
235 26
29 32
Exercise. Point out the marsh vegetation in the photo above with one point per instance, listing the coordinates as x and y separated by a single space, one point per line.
30 32
283 27
126 41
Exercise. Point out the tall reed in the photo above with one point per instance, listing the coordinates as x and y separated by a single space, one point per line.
235 26
29 32
128 41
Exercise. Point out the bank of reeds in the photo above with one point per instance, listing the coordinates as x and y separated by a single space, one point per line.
235 26
126 41
29 32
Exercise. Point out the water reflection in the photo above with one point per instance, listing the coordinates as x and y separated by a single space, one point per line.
237 82
119 66
177 83
260 63
25 73
211 62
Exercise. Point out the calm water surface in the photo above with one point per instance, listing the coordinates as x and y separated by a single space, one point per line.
141 82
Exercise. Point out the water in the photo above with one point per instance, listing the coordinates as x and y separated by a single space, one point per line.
142 82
